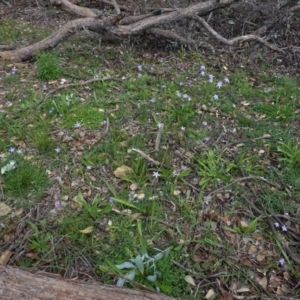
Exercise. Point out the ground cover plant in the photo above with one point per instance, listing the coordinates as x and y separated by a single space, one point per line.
167 171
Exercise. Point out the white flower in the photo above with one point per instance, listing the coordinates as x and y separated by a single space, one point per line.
178 94
156 174
211 80
219 84
152 100
89 167
211 76
226 79
216 97
202 68
234 105
182 128
77 125
160 125
202 73
204 123
12 150
57 149
140 68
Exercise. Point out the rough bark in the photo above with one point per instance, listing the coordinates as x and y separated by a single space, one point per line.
18 284
95 22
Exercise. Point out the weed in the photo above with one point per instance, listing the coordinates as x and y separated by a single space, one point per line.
290 153
48 67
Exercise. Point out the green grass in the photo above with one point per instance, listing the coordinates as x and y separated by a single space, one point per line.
212 154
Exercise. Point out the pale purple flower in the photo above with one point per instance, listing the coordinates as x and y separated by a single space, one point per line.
284 228
77 125
210 80
202 73
182 128
89 167
160 125
211 76
140 68
111 200
204 123
181 83
219 84
58 205
50 111
14 70
215 96
178 94
183 167
226 80
276 224
281 261
11 149
19 151
152 100
163 86
207 139
185 96
156 174
202 68
139 75
57 149
8 103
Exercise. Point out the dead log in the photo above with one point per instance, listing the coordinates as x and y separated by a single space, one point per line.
18 284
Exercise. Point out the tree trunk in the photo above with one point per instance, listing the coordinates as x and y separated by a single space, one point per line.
19 284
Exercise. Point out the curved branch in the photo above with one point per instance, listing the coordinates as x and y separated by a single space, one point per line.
235 40
50 42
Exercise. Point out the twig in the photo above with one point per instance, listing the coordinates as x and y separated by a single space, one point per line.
146 156
233 41
158 137
116 6
243 179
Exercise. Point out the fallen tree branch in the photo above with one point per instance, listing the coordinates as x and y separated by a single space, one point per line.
18 284
235 40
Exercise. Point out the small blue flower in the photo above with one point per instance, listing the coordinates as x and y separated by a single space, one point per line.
276 224
281 261
284 228
219 84
111 200
11 149
57 149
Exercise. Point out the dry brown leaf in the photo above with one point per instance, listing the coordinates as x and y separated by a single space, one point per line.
263 282
252 249
5 256
225 295
211 294
4 209
89 229
260 257
134 186
122 171
189 279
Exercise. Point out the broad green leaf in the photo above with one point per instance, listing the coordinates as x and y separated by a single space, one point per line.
126 265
